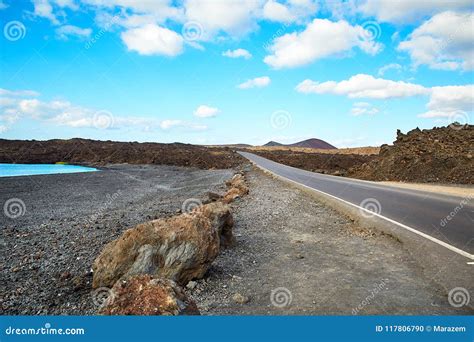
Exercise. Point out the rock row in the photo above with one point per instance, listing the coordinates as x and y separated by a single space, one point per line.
146 266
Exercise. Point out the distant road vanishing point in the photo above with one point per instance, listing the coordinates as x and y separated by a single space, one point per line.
445 220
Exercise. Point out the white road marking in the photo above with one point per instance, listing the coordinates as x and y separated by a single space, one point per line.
413 230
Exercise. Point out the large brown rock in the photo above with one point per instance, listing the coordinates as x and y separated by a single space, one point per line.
146 295
180 248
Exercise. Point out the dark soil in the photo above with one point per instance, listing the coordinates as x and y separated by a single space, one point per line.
333 164
93 152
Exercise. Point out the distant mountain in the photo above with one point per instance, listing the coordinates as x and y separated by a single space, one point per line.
273 143
309 143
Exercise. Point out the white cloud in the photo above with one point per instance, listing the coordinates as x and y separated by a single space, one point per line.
6 92
391 66
290 11
142 12
446 42
276 11
153 40
233 17
15 105
204 111
363 86
258 82
66 31
237 53
44 9
405 11
320 39
360 108
167 124
449 101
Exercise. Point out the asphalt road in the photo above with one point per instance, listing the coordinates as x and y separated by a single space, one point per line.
423 213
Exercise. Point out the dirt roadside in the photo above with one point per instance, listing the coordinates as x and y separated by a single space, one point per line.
295 255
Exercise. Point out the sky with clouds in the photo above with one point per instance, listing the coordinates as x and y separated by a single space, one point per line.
219 72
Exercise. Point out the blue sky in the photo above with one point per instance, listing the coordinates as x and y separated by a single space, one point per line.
210 72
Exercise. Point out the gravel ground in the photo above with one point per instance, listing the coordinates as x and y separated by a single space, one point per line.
47 253
297 256
293 255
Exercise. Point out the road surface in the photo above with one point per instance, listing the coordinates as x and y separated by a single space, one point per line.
445 220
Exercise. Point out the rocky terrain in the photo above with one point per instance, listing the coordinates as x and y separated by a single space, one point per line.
93 152
333 164
287 252
438 155
67 219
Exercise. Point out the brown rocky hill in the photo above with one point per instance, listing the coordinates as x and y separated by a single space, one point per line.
443 155
93 152
309 143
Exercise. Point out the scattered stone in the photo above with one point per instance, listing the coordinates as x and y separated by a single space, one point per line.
240 299
146 295
237 188
213 197
191 285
